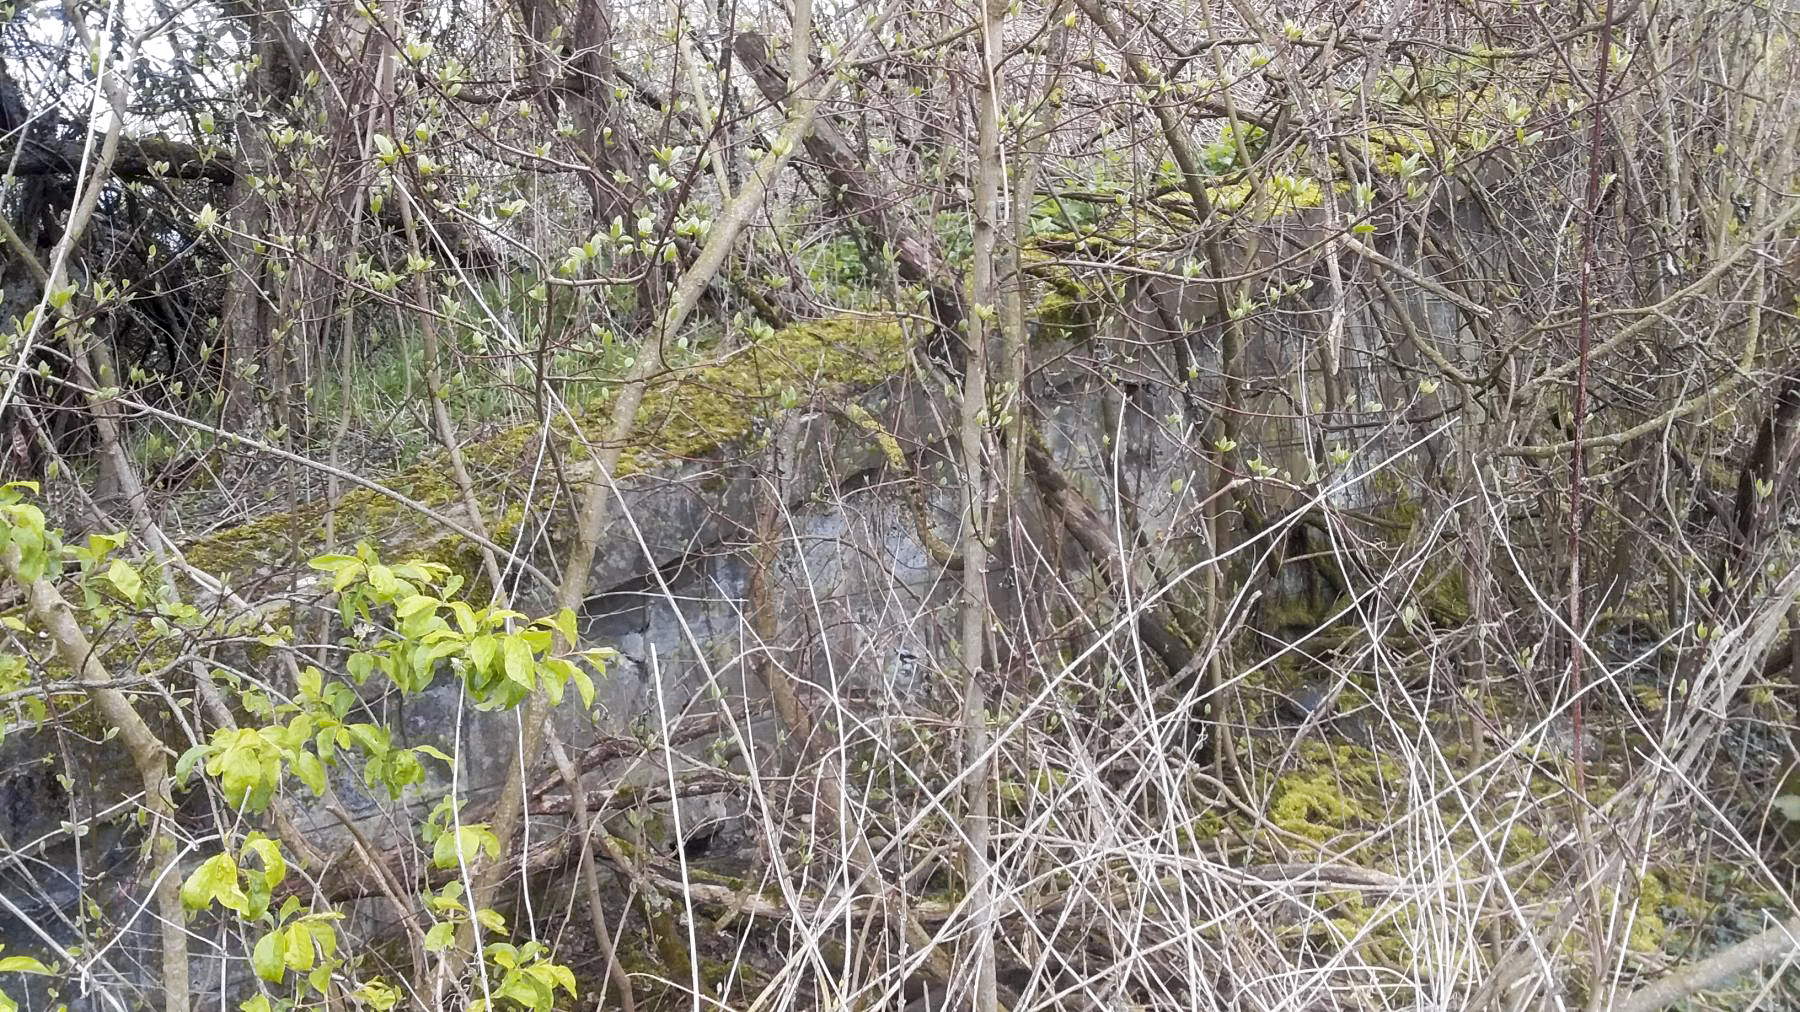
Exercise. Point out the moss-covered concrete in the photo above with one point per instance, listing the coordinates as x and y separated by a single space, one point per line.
689 412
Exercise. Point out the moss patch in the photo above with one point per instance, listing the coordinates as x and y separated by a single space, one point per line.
1314 806
687 413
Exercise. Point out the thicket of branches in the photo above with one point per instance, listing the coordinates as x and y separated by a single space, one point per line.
1356 484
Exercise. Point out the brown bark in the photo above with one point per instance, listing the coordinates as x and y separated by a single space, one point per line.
979 528
1768 463
137 158
246 316
574 71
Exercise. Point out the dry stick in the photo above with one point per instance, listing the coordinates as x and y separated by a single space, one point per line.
590 882
601 492
434 374
1780 942
440 411
163 552
166 556
1231 346
867 197
1095 538
346 316
47 603
1406 273
1653 314
148 755
1577 457
1531 947
385 883
99 174
1723 391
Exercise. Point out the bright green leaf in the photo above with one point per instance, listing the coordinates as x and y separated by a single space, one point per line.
126 580
269 958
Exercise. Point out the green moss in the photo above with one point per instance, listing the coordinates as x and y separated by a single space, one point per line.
1207 826
1648 929
1336 789
1444 594
687 413
1521 844
1379 938
1295 611
1314 806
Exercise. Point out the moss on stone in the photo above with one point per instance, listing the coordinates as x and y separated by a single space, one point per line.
687 413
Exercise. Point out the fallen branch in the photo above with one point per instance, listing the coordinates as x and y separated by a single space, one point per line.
1778 942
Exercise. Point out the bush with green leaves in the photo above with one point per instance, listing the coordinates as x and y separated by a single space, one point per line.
405 625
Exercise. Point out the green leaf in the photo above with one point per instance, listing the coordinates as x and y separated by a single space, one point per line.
415 604
311 681
559 975
184 767
274 865
441 936
301 956
521 667
215 879
269 958
344 569
378 995
310 770
126 580
485 652
372 737
22 964
466 843
1789 806
443 851
465 617
382 581
555 678
323 934
527 991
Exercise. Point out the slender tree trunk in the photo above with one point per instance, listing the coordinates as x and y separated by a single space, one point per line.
984 335
248 347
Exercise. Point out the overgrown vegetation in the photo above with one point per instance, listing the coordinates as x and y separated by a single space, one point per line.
1043 505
